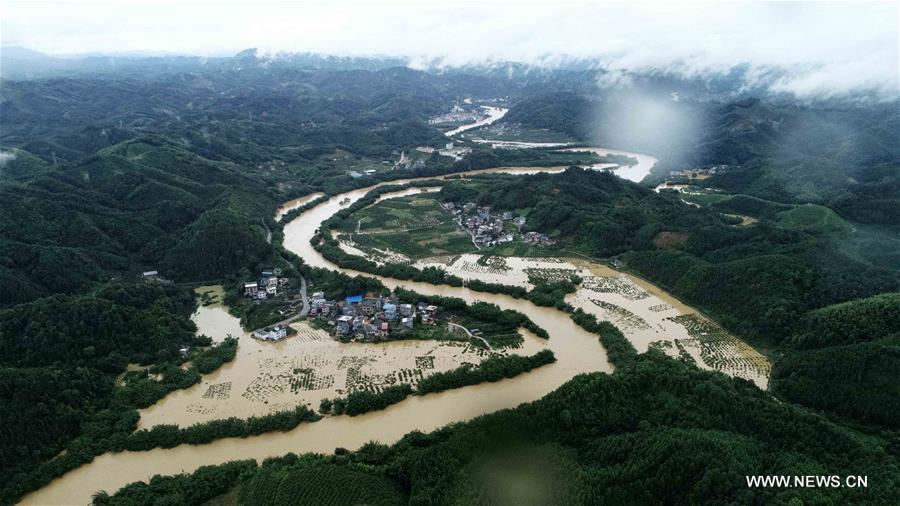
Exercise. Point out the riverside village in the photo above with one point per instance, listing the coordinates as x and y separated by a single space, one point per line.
356 318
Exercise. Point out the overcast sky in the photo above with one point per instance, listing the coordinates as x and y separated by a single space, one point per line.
828 47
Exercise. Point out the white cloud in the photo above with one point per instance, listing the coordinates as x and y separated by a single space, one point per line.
825 47
6 157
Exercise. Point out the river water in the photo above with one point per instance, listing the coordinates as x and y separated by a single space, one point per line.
493 114
634 173
576 350
294 204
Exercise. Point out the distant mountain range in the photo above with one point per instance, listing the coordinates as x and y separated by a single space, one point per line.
741 81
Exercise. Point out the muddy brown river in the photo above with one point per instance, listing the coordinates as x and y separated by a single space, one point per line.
576 350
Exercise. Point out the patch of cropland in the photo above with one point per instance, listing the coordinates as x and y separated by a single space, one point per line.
415 227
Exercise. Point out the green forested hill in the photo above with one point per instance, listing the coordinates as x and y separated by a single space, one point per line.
232 115
132 206
59 358
845 358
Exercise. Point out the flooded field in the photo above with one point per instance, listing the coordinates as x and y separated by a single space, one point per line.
649 318
266 377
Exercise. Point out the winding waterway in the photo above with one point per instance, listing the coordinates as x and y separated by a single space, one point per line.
493 114
576 350
636 172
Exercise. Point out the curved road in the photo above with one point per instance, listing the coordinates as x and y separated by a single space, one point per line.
303 311
471 335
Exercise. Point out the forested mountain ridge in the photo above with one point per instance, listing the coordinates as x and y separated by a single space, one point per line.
140 204
72 118
59 358
847 158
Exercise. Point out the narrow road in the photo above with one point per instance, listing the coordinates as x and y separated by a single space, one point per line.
471 234
303 298
303 311
471 336
268 232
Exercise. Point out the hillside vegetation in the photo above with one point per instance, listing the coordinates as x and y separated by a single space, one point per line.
137 206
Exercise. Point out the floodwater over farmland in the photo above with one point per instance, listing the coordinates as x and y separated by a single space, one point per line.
305 368
648 316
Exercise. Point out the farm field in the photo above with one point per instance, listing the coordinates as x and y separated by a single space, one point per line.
326 485
413 226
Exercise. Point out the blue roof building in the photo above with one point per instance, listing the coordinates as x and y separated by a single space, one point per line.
390 311
354 299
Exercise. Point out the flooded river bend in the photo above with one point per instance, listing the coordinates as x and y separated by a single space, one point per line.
576 350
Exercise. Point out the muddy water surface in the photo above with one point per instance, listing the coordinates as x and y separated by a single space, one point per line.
576 350
294 204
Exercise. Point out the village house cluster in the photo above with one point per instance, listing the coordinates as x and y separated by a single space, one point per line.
489 229
272 165
355 174
266 286
369 318
455 152
411 163
456 115
272 285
